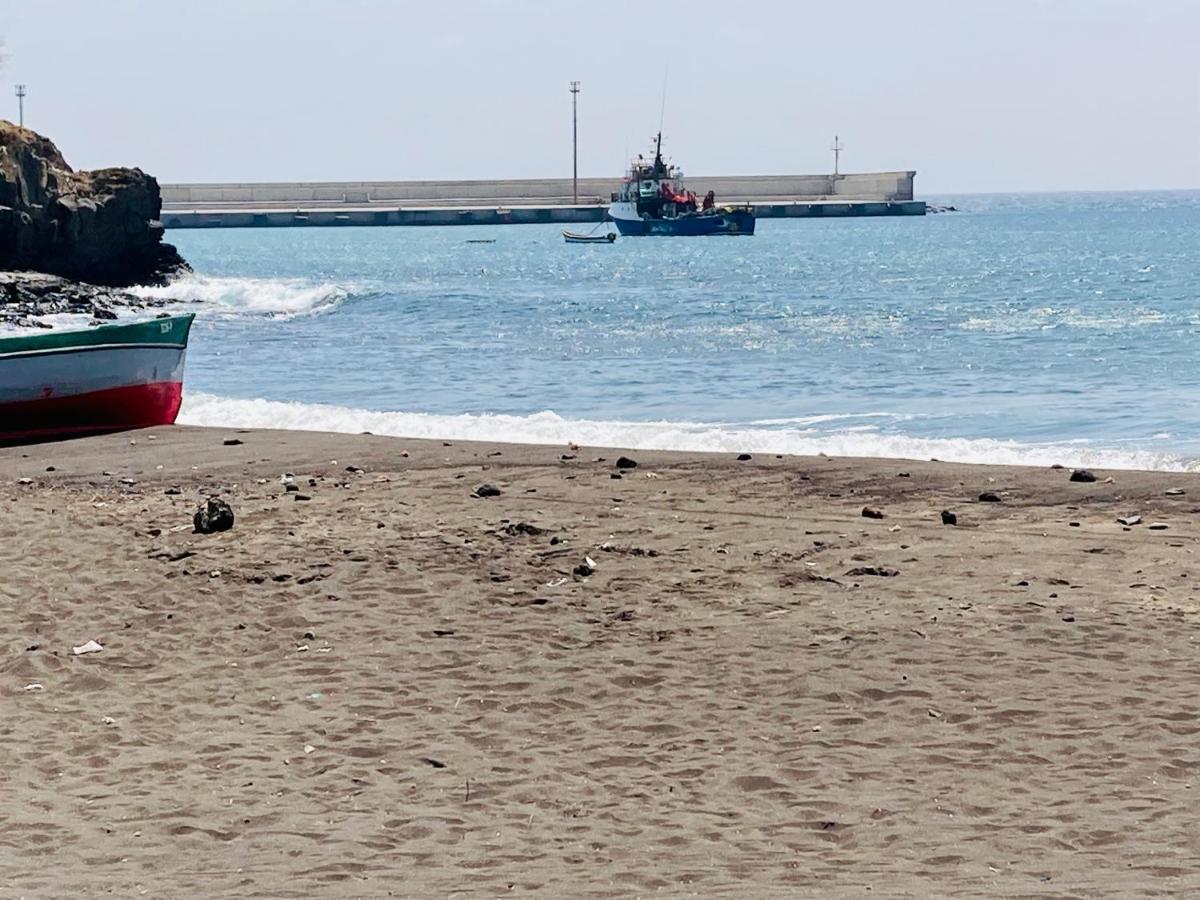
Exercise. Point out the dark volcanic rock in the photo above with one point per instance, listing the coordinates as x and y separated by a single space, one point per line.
625 462
26 295
101 227
517 528
877 571
989 497
949 518
1083 475
214 515
486 490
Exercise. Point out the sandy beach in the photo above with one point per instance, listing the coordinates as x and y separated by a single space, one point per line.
379 684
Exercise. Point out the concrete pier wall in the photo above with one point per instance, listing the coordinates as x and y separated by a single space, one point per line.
230 217
871 186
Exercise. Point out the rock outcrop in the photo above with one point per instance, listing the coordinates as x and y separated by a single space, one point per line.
27 296
100 227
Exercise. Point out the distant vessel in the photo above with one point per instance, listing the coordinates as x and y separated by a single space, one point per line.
111 378
652 200
572 238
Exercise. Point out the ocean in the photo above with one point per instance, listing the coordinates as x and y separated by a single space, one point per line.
1030 329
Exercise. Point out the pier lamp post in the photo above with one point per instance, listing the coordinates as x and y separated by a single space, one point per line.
574 142
837 149
21 105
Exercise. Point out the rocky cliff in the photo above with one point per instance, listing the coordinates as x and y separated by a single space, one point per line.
100 227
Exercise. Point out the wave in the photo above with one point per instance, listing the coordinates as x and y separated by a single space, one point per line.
273 297
53 320
550 428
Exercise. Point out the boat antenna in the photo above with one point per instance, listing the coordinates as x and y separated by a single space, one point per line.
662 114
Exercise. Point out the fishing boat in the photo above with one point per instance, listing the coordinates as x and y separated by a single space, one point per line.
62 384
572 238
653 200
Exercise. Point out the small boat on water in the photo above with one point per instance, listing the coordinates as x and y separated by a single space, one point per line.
653 200
572 238
62 384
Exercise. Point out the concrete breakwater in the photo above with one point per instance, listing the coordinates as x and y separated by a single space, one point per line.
530 201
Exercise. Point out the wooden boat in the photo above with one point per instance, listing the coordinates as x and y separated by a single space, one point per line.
63 384
573 238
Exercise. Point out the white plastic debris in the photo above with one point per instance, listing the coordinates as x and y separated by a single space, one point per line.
590 562
89 647
109 720
35 686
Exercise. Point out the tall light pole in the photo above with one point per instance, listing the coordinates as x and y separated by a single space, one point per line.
574 142
837 149
21 105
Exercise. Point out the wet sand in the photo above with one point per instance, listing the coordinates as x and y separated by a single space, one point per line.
395 688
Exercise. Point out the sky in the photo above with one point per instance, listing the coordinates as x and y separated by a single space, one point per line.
975 95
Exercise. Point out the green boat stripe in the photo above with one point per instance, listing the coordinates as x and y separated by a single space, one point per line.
24 354
149 333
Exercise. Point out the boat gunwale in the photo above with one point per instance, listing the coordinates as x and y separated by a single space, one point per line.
146 333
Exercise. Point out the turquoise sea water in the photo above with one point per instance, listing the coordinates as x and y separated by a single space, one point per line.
1030 328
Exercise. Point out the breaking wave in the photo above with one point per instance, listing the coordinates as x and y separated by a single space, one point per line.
550 428
271 297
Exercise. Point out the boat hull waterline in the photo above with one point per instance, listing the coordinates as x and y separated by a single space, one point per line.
74 383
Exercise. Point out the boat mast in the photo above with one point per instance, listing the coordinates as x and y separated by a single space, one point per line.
659 169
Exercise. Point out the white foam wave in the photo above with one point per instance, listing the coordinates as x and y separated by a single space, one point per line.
278 297
54 321
549 428
828 417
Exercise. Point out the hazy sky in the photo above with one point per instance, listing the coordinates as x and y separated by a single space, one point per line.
976 95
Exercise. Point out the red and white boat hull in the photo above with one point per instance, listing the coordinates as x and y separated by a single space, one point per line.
123 377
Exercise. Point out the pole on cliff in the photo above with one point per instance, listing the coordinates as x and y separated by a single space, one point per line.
574 142
21 105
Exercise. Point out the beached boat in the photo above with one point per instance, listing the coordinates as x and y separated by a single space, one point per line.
572 238
62 384
653 200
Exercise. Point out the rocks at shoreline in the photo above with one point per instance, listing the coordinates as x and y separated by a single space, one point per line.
25 296
100 227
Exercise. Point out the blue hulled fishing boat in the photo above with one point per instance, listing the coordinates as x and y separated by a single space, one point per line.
653 200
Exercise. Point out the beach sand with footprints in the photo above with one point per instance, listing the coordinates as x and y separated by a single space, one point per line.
706 676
